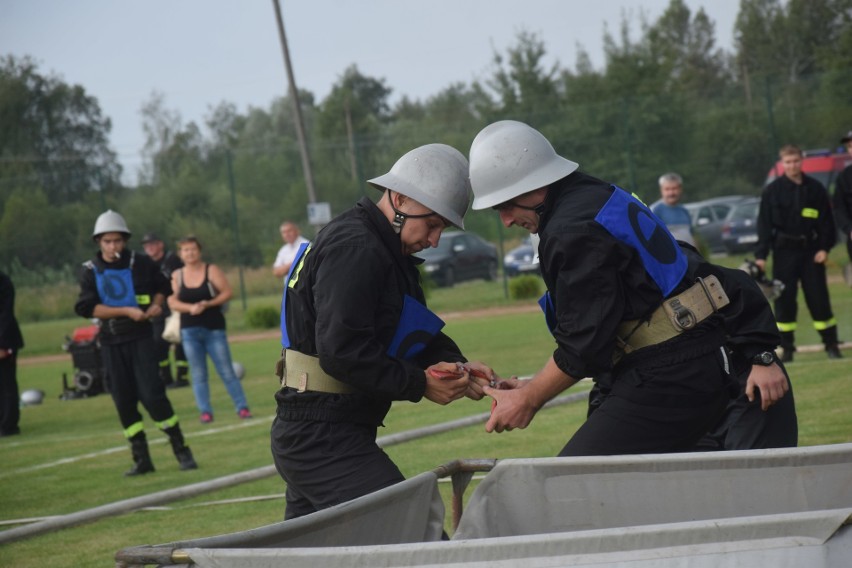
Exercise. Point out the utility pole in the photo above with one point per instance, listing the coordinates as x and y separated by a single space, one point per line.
297 107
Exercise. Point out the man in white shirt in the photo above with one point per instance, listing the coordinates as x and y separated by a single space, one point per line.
292 241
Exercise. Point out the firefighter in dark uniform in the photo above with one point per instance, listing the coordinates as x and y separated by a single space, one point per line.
796 224
843 198
644 316
167 262
357 334
124 291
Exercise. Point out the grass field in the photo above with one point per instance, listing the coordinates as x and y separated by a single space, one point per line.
71 454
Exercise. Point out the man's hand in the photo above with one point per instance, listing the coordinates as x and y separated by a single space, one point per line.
820 257
516 402
136 314
481 375
770 381
761 263
511 408
154 310
446 382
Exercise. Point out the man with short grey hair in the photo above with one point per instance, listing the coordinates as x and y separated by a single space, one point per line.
670 211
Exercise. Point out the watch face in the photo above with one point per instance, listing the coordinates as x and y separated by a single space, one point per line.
764 358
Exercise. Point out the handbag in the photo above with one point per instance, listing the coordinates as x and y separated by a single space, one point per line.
171 331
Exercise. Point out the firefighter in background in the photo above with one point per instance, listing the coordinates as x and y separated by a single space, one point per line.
167 262
843 204
124 291
795 223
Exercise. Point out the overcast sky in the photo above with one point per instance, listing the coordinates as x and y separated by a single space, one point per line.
199 53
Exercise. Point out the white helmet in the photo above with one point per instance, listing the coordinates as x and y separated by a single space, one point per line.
509 158
32 397
434 175
110 222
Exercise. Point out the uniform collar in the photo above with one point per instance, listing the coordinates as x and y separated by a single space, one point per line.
382 227
557 190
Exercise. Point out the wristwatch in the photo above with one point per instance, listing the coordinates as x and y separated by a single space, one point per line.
765 359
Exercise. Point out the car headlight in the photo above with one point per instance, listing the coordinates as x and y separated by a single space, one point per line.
431 267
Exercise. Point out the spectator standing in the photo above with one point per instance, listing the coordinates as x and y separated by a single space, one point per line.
843 198
124 291
795 223
669 209
167 262
199 292
292 241
11 342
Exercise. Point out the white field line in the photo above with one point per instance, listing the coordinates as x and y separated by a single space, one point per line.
124 448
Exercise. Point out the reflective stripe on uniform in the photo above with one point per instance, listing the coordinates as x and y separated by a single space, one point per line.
143 299
823 325
786 326
168 422
295 276
810 213
133 429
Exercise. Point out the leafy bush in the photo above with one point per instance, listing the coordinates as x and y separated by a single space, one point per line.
263 317
524 287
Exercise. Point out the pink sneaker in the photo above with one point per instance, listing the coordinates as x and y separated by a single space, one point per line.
206 418
244 413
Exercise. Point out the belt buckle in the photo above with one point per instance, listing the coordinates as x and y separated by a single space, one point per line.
684 317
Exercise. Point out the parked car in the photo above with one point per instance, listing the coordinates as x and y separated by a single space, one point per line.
521 260
460 256
709 216
739 231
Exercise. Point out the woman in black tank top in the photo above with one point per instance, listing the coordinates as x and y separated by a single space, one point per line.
199 292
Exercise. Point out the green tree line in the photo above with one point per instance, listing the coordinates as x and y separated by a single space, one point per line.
669 100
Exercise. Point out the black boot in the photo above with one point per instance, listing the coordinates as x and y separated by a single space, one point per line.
832 345
182 373
141 458
788 342
181 450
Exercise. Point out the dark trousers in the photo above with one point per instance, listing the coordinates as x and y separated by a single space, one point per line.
10 412
328 463
133 376
662 400
790 267
746 426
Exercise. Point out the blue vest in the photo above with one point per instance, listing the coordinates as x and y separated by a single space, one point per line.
115 285
631 222
417 324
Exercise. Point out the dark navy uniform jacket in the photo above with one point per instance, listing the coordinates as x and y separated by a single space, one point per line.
796 211
597 280
344 306
148 281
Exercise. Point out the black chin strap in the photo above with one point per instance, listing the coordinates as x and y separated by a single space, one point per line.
399 217
538 208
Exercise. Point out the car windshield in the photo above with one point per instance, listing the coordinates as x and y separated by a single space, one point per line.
745 211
